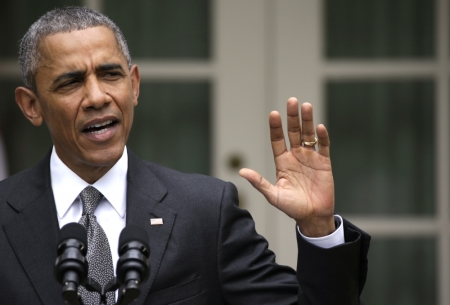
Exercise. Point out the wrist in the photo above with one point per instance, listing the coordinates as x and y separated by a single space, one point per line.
317 226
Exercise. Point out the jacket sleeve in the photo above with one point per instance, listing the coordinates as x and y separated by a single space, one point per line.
336 275
249 274
247 268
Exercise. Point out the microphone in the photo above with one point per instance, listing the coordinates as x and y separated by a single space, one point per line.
71 266
133 266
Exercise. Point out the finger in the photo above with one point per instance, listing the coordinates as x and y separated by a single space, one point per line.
259 183
293 123
308 132
276 134
324 140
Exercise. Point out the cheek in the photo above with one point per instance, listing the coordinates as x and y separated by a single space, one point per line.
128 119
127 107
61 119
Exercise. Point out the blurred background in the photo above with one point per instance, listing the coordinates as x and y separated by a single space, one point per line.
376 71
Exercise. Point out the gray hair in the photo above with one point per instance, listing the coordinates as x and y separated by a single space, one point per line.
61 20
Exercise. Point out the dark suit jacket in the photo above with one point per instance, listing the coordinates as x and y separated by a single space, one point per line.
206 252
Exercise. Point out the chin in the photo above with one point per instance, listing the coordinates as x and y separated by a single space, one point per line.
107 157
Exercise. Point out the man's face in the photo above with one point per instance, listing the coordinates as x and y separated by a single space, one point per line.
86 95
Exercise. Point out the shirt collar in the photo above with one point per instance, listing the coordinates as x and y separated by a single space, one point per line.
67 185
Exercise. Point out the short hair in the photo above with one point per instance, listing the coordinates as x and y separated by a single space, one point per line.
61 20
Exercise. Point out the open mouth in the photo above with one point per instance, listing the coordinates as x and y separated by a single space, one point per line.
100 128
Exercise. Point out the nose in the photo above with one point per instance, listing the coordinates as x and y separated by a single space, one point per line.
96 96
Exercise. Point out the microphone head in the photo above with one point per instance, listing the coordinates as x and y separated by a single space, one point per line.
76 231
71 265
133 266
133 233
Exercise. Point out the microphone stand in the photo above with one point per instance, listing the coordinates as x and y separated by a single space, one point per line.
126 294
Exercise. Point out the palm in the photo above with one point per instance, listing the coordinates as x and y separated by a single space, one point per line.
304 184
304 189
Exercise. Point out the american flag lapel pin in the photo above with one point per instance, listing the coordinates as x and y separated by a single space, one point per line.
156 221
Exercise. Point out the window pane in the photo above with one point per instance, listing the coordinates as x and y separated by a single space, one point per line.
25 143
171 125
401 272
173 29
17 16
379 29
382 149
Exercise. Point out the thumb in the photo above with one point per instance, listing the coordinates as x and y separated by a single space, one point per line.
258 182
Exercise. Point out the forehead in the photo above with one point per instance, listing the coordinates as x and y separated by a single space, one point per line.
80 47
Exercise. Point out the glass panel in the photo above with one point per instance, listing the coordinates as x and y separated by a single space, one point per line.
171 125
151 31
25 143
379 29
401 272
382 147
17 16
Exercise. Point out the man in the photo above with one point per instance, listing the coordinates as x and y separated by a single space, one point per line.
79 81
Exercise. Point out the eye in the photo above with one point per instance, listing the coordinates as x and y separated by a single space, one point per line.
112 75
68 84
71 82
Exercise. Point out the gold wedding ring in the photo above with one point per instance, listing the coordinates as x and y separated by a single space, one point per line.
309 144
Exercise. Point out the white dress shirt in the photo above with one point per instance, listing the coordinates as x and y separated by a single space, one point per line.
110 213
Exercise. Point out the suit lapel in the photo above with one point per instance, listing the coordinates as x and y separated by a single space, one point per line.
144 195
34 233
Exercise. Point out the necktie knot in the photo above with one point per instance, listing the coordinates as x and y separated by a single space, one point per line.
90 197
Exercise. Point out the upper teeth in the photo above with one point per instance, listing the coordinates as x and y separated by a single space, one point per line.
101 124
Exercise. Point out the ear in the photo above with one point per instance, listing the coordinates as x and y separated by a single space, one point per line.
29 104
135 83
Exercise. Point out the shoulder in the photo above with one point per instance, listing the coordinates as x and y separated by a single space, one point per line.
21 181
20 190
38 175
180 191
189 183
175 177
28 184
144 172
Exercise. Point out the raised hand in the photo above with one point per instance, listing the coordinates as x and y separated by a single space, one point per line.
304 189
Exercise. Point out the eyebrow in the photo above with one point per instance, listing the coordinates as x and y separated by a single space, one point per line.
69 75
81 73
108 67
